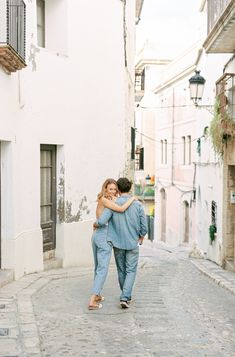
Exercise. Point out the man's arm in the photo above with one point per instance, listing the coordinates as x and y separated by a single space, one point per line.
105 217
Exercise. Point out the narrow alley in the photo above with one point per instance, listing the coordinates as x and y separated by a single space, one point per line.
177 311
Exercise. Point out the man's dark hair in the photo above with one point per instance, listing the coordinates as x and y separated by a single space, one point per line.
124 185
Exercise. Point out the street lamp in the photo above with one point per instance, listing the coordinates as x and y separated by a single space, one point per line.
196 86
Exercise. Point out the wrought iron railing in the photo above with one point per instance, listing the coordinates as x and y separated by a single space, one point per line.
215 8
225 92
16 16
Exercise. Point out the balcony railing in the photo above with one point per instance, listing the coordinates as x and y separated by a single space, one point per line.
139 80
16 26
215 10
12 35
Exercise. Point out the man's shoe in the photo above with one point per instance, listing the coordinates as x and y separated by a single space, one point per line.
124 304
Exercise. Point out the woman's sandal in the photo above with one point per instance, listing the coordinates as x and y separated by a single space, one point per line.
95 307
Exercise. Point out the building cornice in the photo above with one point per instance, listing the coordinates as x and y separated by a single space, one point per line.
138 9
184 73
145 62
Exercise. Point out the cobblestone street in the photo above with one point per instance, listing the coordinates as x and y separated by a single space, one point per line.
177 311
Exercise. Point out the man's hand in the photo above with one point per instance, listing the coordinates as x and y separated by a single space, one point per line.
140 240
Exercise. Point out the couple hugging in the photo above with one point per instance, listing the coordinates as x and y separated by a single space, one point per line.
121 225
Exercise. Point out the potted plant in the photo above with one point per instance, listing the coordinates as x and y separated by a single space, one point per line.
212 232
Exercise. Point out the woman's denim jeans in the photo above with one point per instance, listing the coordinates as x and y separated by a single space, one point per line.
102 253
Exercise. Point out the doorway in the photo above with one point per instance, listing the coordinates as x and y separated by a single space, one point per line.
163 214
186 221
48 196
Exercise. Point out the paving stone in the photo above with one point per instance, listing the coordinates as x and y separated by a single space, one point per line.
177 311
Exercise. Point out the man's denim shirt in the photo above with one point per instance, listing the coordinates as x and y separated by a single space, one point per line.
124 229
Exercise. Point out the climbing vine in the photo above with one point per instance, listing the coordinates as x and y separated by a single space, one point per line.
222 128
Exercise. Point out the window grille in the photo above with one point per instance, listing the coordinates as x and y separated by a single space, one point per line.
132 143
225 92
214 213
139 161
139 80
16 26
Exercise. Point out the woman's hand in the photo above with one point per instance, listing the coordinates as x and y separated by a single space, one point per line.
95 226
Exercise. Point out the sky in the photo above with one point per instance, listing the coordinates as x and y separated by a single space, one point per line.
172 24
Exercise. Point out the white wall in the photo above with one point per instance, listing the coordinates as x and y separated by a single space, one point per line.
210 178
76 96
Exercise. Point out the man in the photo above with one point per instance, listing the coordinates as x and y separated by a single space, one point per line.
126 232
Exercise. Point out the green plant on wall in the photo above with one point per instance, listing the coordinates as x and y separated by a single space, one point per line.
199 146
212 232
222 128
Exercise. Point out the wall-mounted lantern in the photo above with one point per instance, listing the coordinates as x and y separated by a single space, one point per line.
196 86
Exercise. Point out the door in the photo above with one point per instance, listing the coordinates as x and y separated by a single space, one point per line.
48 196
186 221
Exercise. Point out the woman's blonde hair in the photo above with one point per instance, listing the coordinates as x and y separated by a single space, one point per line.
107 182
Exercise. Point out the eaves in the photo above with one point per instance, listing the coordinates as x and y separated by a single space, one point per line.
138 9
145 62
174 79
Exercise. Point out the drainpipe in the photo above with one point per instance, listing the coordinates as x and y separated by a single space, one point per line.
172 136
124 31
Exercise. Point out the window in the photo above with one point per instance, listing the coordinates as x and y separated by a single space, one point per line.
50 35
139 162
41 22
186 150
162 152
132 143
165 153
183 150
189 149
214 213
139 80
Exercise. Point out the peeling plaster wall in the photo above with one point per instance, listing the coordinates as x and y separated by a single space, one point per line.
79 98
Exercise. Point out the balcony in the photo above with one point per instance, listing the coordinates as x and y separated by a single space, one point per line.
139 84
221 26
225 91
12 35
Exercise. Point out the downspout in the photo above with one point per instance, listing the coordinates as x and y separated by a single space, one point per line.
124 31
172 136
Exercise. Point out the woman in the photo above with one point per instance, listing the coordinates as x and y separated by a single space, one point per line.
101 248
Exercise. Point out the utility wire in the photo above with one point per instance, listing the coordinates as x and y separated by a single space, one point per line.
159 141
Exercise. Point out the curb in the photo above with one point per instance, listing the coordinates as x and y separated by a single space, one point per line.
226 284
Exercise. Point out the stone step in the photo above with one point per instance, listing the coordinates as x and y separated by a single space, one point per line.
53 263
230 265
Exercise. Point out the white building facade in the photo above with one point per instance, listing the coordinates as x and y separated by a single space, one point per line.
219 43
65 123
